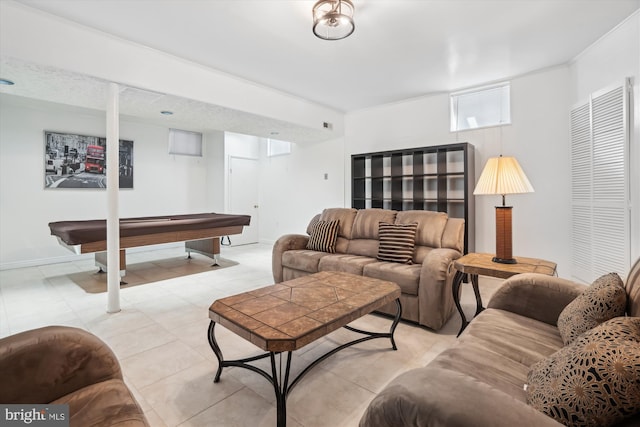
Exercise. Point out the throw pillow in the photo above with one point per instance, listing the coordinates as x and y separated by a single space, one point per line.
396 242
603 300
323 236
593 382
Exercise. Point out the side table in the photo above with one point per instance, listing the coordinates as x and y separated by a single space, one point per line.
481 265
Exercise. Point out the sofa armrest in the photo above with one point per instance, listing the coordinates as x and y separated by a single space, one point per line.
288 242
536 296
434 291
42 365
435 397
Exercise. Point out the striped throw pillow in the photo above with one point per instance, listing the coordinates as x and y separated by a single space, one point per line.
323 236
396 242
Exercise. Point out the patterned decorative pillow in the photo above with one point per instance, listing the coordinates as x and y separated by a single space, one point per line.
593 382
323 236
396 242
605 299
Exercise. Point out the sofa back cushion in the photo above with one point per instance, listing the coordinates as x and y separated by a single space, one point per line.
453 236
345 217
312 224
431 226
365 236
633 290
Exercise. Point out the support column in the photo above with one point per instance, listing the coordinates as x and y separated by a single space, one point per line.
113 221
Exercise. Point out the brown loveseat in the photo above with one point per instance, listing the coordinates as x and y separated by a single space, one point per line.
480 380
63 365
425 283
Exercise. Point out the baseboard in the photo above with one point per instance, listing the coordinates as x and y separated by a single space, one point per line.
43 261
71 257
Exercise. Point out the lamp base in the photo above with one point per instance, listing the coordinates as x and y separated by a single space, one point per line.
503 235
504 261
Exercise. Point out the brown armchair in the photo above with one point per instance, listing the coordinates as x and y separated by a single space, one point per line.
63 365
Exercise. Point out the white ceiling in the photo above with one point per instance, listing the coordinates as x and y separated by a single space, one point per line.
400 48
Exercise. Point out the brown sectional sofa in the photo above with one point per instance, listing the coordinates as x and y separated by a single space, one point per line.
64 365
480 380
426 289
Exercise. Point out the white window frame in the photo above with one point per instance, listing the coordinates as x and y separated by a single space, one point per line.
502 111
276 147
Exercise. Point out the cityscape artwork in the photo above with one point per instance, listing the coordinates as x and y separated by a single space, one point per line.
79 161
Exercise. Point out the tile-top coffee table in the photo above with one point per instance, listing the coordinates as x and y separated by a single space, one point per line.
287 316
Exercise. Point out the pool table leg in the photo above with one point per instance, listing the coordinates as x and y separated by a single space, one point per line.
206 247
101 262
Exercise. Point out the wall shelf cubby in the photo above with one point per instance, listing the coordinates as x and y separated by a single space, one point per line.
437 178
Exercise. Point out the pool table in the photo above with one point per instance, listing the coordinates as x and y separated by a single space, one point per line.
200 232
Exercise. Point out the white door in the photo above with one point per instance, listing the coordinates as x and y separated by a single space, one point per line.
243 196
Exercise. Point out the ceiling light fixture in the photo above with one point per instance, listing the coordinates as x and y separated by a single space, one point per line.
333 19
6 82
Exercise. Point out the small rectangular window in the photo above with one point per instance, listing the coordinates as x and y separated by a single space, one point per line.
481 107
278 148
185 143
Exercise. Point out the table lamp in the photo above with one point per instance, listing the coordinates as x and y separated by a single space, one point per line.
503 175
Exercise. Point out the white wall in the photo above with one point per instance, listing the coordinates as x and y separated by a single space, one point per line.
293 187
614 57
537 137
163 183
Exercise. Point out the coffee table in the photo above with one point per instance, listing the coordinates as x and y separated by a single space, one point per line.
287 316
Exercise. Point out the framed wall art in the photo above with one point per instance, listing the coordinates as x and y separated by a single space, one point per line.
79 161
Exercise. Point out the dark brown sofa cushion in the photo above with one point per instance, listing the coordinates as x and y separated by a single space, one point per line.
605 299
593 382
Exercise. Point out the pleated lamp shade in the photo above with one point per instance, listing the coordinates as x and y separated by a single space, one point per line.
503 175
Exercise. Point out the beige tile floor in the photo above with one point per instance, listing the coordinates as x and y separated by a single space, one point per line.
160 340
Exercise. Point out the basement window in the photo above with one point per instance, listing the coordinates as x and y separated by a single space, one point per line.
278 148
481 107
185 143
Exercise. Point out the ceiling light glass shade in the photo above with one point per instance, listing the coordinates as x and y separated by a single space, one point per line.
333 19
503 175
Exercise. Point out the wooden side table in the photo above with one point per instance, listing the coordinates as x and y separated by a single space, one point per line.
481 265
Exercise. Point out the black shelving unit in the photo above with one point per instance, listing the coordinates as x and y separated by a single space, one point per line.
437 178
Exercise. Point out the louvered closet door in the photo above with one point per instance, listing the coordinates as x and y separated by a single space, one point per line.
581 191
600 185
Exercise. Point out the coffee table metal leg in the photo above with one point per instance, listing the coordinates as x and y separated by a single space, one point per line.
281 387
395 323
216 349
242 363
476 291
457 280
